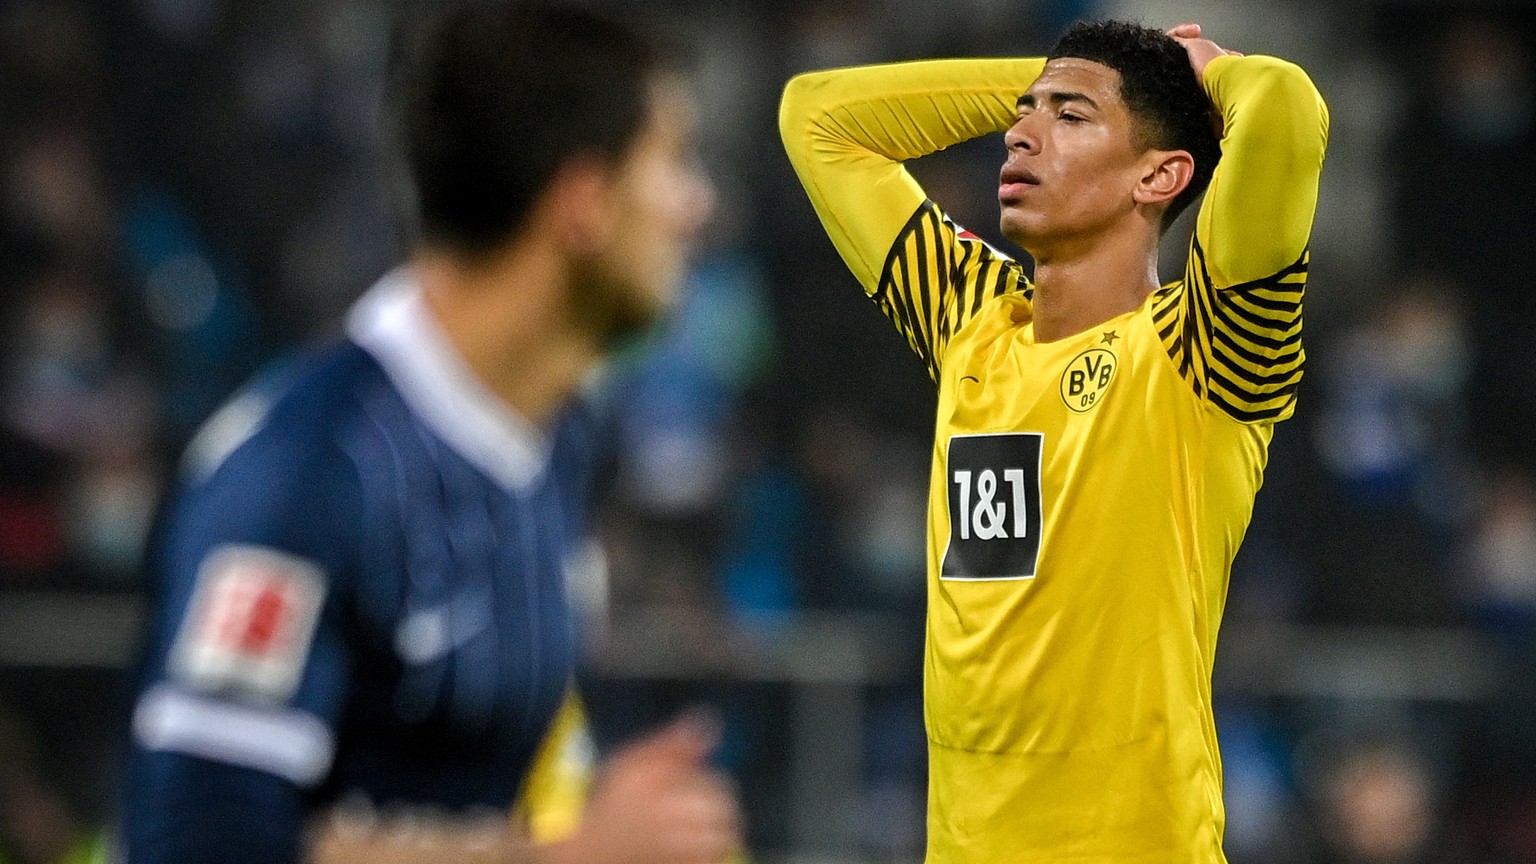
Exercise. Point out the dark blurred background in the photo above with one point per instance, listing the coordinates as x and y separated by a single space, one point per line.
190 191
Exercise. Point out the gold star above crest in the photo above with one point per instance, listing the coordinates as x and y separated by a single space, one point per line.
1110 337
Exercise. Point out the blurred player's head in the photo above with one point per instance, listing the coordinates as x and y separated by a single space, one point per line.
1142 135
518 118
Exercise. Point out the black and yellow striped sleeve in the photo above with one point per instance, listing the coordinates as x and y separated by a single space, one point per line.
1233 324
936 279
1239 347
847 133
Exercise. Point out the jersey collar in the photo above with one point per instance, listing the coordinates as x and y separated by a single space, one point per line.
392 323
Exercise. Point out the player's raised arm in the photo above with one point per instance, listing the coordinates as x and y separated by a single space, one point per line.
847 132
1257 214
1236 331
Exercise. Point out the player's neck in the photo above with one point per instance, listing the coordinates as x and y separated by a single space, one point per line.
507 317
1080 288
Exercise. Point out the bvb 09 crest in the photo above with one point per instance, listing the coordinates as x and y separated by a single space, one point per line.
1087 377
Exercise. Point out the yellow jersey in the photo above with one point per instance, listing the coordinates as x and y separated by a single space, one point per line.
554 794
1088 494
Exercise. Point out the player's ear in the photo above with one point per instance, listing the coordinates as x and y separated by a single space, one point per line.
1165 174
577 206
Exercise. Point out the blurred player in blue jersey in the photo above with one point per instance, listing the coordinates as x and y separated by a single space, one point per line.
362 603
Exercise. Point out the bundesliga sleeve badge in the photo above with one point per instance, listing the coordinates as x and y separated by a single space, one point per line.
250 622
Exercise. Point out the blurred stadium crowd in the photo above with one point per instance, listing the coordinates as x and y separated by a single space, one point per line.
191 190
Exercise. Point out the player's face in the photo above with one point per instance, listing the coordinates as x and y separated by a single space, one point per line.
657 201
1071 165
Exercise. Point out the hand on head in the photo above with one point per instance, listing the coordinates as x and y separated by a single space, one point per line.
1201 50
658 800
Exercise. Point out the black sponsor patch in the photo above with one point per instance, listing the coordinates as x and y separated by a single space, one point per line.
994 506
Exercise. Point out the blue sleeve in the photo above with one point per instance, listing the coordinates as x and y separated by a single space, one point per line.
246 673
188 810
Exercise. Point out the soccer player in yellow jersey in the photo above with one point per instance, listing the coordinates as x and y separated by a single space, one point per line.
1100 437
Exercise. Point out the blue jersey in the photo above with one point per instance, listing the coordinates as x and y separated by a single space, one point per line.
361 597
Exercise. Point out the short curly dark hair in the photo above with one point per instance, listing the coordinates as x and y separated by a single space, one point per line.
489 98
1169 108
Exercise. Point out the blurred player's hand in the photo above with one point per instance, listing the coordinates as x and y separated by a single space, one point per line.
658 801
345 838
1201 51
